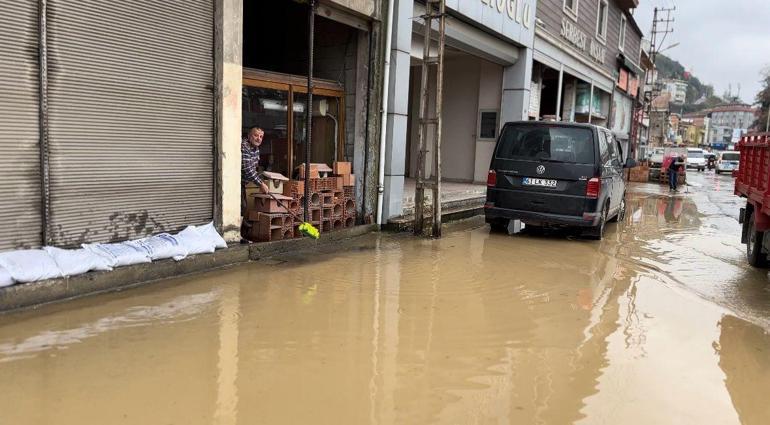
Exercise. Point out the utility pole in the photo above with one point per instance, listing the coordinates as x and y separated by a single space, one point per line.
430 118
661 26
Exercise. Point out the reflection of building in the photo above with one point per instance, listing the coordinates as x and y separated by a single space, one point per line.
586 66
487 68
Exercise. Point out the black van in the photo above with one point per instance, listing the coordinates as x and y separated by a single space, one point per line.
556 174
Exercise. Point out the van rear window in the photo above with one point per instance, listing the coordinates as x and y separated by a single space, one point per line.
731 157
538 143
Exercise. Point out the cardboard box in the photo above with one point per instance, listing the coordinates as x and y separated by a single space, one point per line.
341 168
349 180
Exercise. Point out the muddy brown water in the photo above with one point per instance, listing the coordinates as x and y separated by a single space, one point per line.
660 323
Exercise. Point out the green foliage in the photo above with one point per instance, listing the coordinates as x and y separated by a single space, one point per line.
763 98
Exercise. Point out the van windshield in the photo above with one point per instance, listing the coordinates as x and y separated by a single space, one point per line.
695 154
731 157
546 143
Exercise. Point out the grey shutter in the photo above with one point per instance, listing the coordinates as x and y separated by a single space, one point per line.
20 199
131 117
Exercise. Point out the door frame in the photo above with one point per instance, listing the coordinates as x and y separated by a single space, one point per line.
292 84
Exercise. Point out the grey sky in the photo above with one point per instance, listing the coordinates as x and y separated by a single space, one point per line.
722 41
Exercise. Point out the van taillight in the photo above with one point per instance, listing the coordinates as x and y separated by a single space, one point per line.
593 188
492 178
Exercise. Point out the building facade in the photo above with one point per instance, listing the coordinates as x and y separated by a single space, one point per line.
677 89
487 73
108 135
728 123
587 63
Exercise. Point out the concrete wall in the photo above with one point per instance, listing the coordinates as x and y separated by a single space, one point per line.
490 97
229 76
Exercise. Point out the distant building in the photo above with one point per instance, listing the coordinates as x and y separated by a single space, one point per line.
728 123
677 89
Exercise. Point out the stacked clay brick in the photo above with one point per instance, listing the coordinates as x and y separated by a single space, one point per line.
332 204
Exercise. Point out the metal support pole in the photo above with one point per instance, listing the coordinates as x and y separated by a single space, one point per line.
439 101
558 92
309 107
45 204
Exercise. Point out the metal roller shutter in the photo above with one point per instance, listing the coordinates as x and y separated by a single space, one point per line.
131 117
20 199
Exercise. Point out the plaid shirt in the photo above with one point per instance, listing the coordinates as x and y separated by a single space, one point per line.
249 163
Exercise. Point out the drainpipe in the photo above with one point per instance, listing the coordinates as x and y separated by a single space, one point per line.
384 119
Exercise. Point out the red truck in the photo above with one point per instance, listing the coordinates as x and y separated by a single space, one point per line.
753 183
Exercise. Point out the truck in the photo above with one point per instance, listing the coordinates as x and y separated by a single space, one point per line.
752 182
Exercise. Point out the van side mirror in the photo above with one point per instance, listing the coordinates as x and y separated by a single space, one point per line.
630 163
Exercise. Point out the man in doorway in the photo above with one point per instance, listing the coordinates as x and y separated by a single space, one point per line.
250 163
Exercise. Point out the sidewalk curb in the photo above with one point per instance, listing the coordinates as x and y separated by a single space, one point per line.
36 294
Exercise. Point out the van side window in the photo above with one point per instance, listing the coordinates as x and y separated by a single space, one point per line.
604 151
614 151
620 152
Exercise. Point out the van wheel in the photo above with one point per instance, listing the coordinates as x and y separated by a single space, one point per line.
499 226
597 232
754 253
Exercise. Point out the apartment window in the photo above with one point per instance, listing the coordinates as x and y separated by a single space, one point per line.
622 39
571 8
601 21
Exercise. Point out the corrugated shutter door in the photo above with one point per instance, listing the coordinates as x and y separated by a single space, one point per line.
20 211
131 117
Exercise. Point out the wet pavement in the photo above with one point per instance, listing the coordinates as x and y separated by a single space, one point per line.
663 322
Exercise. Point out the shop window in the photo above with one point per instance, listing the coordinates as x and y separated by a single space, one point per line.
571 8
622 38
488 124
601 21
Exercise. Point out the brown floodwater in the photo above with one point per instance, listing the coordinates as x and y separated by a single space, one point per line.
660 323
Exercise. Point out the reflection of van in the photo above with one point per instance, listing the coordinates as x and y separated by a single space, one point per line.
727 161
556 174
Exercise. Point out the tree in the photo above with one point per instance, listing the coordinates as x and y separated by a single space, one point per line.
763 99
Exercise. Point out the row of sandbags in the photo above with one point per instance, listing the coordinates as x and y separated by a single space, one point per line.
31 265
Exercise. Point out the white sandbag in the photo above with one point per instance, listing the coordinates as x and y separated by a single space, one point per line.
119 254
5 278
195 243
29 265
210 232
161 246
73 262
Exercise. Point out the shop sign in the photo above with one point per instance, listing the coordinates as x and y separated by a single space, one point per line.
579 39
517 10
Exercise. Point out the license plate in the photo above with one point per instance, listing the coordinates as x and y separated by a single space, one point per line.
529 181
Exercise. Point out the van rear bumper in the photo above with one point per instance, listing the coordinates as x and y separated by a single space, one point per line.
541 219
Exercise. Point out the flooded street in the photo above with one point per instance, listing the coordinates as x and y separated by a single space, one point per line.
663 322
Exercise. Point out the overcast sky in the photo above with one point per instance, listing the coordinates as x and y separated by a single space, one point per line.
722 41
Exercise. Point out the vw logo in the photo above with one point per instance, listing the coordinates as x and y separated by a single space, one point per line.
540 169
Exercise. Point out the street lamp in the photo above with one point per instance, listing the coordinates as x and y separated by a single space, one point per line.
669 47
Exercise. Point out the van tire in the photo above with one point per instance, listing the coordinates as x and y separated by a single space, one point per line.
754 253
621 210
597 232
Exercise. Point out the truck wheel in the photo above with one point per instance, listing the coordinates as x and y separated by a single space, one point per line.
754 245
597 233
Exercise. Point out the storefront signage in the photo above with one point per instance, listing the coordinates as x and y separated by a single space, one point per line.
517 10
579 39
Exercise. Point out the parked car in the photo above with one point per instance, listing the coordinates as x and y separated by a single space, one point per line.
728 161
553 174
696 159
